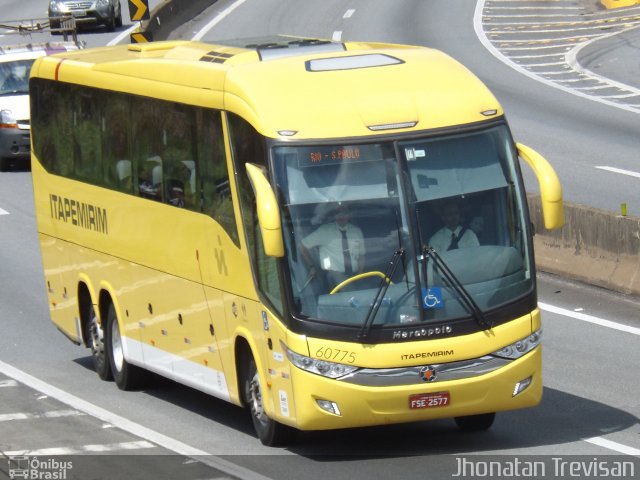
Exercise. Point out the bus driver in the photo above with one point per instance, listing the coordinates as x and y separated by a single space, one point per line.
341 247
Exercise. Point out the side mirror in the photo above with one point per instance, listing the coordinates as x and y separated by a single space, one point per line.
268 213
550 188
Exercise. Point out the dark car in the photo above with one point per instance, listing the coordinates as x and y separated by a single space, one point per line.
87 12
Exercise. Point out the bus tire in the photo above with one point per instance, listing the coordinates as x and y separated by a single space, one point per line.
475 423
126 376
270 432
94 335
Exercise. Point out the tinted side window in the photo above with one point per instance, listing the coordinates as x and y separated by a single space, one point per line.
116 143
215 191
159 150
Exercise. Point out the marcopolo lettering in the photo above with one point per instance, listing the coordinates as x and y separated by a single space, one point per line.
421 332
84 215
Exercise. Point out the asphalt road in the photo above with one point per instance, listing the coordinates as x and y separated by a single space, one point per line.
50 397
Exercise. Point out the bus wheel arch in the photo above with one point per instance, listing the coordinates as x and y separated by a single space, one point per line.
92 331
251 391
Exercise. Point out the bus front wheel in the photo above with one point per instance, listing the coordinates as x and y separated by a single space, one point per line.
127 376
270 432
475 423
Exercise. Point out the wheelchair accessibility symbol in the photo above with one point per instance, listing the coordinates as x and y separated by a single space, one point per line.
432 298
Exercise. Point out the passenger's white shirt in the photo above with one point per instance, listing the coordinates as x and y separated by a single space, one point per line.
441 240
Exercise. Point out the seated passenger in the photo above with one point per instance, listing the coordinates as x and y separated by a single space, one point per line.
454 234
175 191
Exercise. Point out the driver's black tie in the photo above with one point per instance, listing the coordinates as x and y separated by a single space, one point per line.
347 255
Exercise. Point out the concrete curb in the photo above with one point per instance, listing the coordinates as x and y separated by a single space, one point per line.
171 14
594 247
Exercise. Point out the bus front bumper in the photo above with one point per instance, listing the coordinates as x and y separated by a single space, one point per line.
322 403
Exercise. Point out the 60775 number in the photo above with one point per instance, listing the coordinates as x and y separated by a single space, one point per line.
335 354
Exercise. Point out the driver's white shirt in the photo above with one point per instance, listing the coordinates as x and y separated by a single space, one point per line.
328 238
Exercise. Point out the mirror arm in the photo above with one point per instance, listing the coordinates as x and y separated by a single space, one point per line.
268 212
550 188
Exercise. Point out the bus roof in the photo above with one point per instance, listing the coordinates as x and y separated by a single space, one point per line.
299 89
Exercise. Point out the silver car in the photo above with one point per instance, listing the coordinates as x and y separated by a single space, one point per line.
86 12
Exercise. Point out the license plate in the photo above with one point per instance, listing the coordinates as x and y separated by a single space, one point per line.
429 400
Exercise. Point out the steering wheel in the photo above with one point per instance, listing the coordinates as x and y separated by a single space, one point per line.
360 276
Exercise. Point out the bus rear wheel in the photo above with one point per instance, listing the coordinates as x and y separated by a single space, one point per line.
475 423
126 376
270 432
95 341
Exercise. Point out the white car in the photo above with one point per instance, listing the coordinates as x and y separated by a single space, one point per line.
15 67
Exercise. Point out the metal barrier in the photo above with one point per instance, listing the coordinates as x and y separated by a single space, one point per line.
65 25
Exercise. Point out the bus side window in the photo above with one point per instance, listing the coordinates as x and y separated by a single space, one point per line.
213 177
147 133
87 142
118 172
44 100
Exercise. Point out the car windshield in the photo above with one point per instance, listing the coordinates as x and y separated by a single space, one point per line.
359 219
14 77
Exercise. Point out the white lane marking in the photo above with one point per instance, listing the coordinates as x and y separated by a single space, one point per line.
535 9
337 36
480 33
620 170
349 13
542 15
8 383
129 426
217 19
572 59
515 28
123 35
569 38
589 318
6 417
113 447
98 412
3 212
615 446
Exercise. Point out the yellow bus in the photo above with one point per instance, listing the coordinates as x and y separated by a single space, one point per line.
191 200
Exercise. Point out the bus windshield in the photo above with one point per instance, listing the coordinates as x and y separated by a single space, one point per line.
360 219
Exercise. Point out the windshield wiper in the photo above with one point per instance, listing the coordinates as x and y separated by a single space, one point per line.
380 293
451 280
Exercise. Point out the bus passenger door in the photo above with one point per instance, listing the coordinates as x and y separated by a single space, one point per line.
199 364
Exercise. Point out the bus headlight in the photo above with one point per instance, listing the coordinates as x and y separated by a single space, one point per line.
317 366
521 347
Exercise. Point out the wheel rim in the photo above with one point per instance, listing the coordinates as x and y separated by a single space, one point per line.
116 346
97 337
255 400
